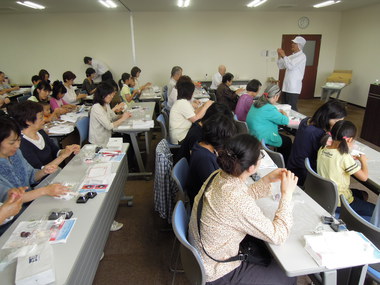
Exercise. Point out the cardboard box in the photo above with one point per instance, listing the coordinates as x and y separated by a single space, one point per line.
342 76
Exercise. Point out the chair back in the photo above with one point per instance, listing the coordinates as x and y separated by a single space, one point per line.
165 97
83 125
322 190
190 258
211 92
180 174
161 121
356 223
241 126
23 98
277 157
165 113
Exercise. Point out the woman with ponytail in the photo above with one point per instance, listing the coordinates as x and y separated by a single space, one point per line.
229 213
334 162
264 118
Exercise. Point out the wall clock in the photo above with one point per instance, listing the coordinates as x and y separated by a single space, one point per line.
303 22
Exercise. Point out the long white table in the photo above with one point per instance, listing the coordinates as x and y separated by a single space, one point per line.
77 260
291 255
145 112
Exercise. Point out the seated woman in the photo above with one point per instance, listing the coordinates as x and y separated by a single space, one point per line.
263 120
215 130
16 172
88 83
225 95
57 101
230 212
44 75
71 96
102 118
41 93
309 135
246 100
182 114
36 146
135 73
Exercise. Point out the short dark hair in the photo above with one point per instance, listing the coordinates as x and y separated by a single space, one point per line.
185 90
90 71
68 75
42 85
253 85
183 78
134 71
58 88
227 77
35 78
102 91
238 154
7 126
42 74
87 59
25 112
332 109
218 128
217 108
175 70
124 76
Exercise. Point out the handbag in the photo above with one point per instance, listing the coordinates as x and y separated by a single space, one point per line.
251 249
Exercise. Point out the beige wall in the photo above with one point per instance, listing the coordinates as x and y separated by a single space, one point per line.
197 41
358 50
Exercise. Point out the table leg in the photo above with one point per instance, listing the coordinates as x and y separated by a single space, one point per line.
147 143
329 277
136 149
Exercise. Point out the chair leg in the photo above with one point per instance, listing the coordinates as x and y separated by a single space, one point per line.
175 271
173 268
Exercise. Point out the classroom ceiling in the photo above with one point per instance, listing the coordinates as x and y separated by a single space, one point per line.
81 6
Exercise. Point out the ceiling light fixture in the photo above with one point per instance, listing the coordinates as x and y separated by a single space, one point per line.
31 5
108 3
183 3
256 3
326 3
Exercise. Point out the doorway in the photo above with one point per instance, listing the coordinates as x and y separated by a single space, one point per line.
311 50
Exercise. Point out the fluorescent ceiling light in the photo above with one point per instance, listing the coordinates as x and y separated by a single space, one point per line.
31 5
183 3
108 3
256 3
326 3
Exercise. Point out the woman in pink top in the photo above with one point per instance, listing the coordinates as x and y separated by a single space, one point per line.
59 90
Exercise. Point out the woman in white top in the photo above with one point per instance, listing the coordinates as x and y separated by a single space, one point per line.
183 114
102 118
71 97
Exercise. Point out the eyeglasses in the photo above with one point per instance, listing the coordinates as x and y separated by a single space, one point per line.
262 154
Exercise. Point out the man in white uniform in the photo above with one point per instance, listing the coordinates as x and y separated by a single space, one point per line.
217 77
102 71
295 69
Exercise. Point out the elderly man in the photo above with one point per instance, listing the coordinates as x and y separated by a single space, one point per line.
217 78
175 75
295 69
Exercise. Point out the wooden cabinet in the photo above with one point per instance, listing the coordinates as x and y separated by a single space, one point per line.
371 125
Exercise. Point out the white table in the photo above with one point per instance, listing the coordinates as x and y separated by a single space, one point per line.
77 260
145 111
200 93
152 94
291 255
328 91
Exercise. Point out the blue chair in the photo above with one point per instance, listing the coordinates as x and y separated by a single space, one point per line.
23 98
180 173
165 96
83 125
356 223
277 157
165 134
322 190
241 126
190 258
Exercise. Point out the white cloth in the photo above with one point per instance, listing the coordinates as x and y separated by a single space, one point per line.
172 97
171 85
101 124
100 69
216 80
179 123
71 97
295 69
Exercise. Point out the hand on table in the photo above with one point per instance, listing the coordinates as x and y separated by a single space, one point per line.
68 150
126 115
274 176
56 190
283 112
49 168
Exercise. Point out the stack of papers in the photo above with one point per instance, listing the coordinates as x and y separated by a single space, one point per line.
142 124
115 143
341 249
61 129
73 117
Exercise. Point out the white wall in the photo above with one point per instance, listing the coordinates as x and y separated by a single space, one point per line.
358 50
197 41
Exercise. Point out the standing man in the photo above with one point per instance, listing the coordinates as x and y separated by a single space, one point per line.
102 71
295 69
217 77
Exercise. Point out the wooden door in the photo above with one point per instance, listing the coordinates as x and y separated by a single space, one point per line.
311 50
